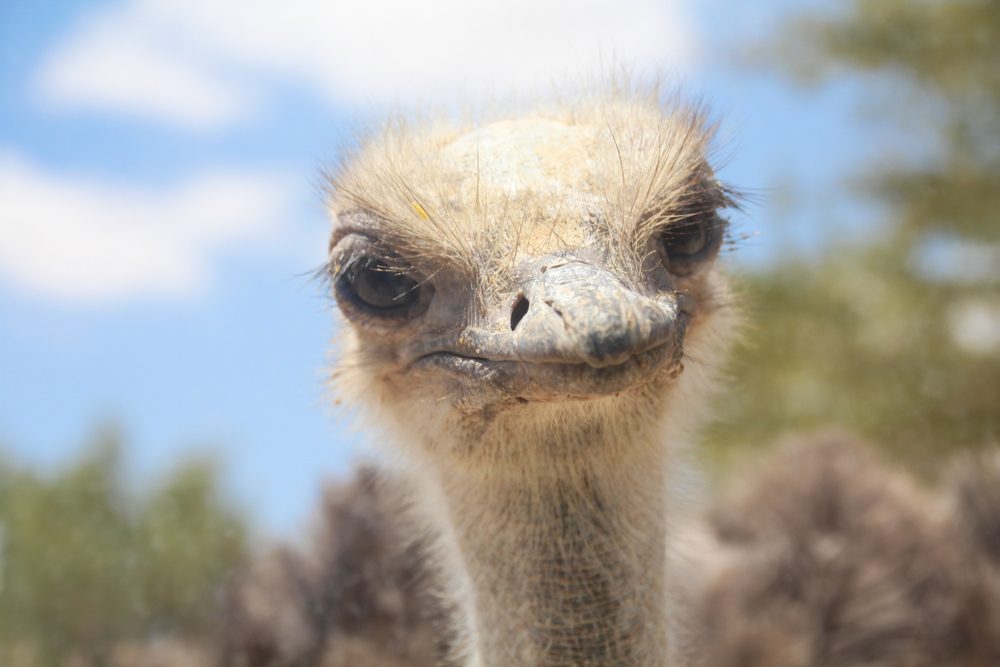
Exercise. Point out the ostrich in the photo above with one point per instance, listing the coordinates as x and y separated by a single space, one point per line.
824 557
820 556
533 320
356 596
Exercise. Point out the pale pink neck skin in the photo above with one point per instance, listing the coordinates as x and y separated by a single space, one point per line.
563 556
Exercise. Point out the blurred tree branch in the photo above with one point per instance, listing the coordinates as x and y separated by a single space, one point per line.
87 565
868 337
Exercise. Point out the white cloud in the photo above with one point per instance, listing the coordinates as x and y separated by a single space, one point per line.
118 63
72 239
168 52
381 50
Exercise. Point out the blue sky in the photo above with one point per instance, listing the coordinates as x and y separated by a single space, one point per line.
159 212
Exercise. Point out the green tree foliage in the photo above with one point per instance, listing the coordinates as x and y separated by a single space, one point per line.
893 337
937 64
85 564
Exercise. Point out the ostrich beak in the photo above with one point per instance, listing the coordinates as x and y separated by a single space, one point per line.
574 330
575 312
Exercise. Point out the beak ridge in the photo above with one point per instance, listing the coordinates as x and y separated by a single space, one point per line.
579 313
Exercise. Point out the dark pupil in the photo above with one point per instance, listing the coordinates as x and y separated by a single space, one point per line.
381 286
685 240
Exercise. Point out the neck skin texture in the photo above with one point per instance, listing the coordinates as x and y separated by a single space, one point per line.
562 543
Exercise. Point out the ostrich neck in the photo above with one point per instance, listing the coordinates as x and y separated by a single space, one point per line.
566 557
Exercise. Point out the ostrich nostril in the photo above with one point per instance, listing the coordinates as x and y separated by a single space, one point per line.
519 310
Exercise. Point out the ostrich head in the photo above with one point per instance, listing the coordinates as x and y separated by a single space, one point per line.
521 273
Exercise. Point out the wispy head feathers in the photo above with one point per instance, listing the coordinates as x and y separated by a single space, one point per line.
614 167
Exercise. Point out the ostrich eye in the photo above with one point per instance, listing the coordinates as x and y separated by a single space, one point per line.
379 286
683 246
